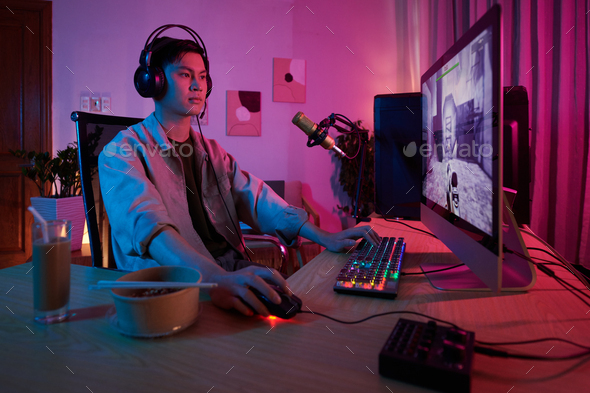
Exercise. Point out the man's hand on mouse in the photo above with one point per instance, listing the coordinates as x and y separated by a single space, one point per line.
233 289
344 240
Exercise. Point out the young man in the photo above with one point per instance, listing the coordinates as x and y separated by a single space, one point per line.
175 198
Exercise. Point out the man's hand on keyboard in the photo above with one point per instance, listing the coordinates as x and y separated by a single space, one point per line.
344 240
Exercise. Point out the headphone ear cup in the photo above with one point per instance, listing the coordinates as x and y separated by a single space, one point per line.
159 82
149 81
208 78
209 85
141 80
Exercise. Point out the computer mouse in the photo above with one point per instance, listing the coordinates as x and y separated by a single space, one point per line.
289 306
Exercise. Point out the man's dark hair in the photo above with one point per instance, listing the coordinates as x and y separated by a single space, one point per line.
166 51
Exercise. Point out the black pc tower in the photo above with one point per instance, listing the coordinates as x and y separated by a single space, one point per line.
398 163
517 167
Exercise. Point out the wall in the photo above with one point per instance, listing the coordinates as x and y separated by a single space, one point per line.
100 43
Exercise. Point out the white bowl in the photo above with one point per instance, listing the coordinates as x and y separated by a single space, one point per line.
157 315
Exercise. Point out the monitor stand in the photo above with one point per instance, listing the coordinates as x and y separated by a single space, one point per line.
517 273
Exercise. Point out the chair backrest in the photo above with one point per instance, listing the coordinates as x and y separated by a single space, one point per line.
94 132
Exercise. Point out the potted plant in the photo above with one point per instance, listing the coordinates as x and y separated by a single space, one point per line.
349 170
58 182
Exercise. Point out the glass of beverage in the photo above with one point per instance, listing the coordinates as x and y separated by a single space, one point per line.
51 270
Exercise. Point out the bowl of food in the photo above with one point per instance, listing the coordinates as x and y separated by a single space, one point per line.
151 312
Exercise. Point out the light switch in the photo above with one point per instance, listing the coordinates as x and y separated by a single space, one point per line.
106 104
85 103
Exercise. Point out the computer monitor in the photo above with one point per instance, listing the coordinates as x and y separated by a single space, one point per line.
462 199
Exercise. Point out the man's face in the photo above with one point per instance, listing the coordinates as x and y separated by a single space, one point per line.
186 86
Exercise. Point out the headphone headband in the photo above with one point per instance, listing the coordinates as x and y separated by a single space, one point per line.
198 40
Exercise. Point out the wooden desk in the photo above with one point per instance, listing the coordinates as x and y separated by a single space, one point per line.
225 352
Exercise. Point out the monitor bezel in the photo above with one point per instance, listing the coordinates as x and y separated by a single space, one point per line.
489 19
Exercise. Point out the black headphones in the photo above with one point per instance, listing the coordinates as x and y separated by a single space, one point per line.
150 81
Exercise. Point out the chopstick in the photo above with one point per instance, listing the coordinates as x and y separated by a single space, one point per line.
103 284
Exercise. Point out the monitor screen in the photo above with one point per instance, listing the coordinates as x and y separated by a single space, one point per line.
460 108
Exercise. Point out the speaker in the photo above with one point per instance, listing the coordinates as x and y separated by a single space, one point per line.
398 163
517 167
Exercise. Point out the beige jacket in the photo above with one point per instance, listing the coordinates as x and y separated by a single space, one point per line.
143 188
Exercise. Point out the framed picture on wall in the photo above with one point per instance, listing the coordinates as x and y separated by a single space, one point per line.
243 113
288 80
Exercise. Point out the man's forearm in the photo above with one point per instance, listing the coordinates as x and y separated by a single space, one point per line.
314 233
169 248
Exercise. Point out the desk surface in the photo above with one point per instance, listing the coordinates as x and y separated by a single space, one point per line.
224 351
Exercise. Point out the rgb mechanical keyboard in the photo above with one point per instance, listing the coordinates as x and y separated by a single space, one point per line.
373 271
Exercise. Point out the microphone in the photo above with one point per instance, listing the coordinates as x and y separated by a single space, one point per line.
314 132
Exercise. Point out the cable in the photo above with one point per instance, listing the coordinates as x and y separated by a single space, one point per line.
532 342
409 226
477 348
403 223
563 283
433 271
548 262
551 274
556 254
220 193
543 250
354 128
380 315
504 354
526 229
543 268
